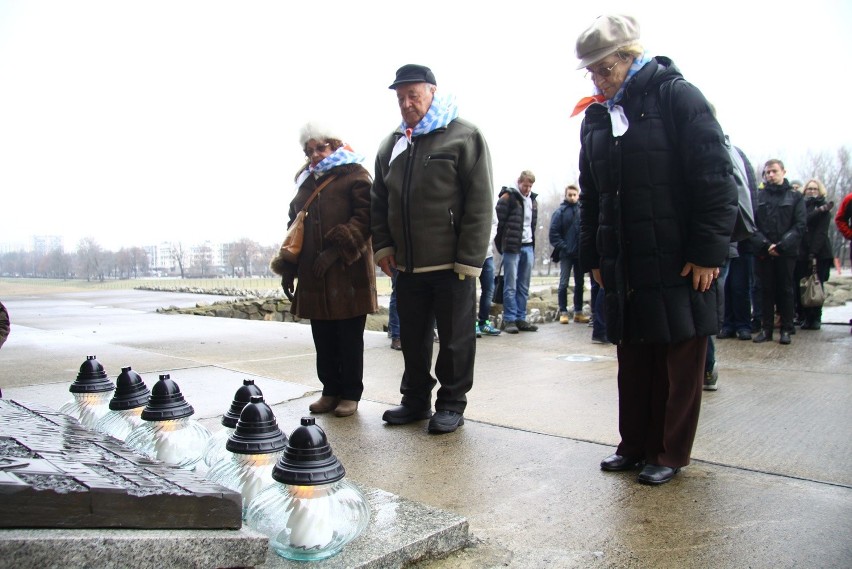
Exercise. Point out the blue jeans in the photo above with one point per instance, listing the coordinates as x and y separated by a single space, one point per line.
517 268
738 293
565 267
393 315
486 282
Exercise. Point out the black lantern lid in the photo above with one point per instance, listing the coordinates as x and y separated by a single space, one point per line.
308 460
166 402
130 391
241 398
257 430
92 378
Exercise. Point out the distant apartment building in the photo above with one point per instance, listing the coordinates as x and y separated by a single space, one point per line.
39 244
44 244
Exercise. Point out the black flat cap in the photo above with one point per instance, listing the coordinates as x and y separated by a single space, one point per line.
413 73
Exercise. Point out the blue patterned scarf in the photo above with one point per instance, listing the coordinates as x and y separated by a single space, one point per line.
442 112
617 118
638 63
341 156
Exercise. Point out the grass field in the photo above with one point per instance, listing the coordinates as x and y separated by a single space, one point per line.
22 286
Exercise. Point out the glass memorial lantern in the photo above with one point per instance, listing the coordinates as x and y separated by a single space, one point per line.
168 432
254 448
312 512
215 449
125 408
91 394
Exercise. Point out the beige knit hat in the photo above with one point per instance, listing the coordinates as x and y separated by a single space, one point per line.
605 36
317 130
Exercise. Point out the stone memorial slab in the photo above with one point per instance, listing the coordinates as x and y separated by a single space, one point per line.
55 473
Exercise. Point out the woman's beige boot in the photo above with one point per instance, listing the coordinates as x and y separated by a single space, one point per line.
324 404
346 407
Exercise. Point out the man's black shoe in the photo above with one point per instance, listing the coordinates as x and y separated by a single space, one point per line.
445 421
525 326
617 463
655 474
725 333
762 336
744 334
402 415
785 338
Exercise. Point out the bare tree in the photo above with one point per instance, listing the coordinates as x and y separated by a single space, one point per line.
204 258
242 254
180 256
265 255
138 261
89 257
57 264
548 202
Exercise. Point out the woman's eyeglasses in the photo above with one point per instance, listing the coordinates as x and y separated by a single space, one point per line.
601 71
319 148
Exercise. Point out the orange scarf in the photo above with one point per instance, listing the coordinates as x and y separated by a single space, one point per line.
586 102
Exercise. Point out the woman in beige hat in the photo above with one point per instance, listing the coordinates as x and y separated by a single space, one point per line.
658 206
335 271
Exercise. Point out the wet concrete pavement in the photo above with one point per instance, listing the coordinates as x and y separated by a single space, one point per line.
770 484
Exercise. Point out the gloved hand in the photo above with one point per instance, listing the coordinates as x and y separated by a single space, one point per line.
324 261
826 207
287 282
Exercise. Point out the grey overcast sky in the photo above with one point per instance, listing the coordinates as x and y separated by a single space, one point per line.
138 122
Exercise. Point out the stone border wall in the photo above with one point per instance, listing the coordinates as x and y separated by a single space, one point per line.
273 305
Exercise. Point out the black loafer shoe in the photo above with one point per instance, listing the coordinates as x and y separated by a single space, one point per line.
402 415
763 336
725 333
785 338
617 463
655 474
445 421
744 334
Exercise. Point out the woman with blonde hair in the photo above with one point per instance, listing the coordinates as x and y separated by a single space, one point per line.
335 270
815 252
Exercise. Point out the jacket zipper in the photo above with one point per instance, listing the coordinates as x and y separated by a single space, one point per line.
406 209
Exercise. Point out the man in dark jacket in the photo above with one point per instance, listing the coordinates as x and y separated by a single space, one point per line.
565 239
517 216
659 202
739 282
431 209
780 219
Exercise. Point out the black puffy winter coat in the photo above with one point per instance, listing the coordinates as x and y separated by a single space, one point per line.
510 220
816 244
653 200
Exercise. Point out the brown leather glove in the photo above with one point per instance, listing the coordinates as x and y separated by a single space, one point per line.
325 260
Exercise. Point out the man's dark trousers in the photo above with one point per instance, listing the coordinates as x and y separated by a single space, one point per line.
452 301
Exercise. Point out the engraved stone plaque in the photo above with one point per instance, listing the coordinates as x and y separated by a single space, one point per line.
55 473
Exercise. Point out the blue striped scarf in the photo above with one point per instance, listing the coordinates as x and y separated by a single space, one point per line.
638 63
442 112
341 156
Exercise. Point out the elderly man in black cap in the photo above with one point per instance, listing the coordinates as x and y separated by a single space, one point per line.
431 207
659 203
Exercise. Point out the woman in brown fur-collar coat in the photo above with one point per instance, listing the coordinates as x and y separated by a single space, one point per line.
336 273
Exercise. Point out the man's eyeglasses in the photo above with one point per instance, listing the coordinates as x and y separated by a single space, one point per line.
319 148
601 71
